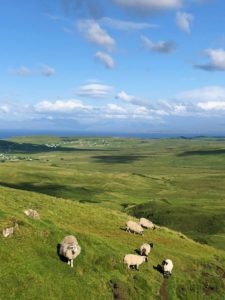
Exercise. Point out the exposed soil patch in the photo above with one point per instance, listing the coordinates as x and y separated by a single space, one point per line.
119 290
164 290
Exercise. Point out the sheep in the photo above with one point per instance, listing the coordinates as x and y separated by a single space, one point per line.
167 267
146 223
70 249
134 260
146 248
134 227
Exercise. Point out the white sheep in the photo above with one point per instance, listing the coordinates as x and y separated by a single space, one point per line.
70 249
134 227
146 223
167 266
146 248
134 260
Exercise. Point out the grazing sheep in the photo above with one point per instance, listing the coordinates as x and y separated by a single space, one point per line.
70 249
167 266
134 227
145 249
33 214
134 260
146 223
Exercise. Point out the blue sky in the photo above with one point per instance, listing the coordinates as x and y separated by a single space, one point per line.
135 66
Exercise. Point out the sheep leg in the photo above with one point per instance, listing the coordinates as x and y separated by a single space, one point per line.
68 262
71 263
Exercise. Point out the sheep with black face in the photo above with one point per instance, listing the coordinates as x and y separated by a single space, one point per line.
133 260
167 267
145 223
145 249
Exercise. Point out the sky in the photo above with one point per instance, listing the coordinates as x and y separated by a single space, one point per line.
123 66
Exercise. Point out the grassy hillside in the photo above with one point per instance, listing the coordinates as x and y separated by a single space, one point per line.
31 268
178 183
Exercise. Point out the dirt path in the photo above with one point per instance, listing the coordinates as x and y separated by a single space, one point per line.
164 290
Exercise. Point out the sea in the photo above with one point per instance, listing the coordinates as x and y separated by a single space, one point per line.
6 134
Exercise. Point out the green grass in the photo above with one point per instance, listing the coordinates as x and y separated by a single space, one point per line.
182 176
31 268
87 187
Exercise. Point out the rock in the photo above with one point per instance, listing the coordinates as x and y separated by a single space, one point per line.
31 213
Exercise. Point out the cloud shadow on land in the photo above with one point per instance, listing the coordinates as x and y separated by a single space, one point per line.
117 159
203 152
15 148
81 194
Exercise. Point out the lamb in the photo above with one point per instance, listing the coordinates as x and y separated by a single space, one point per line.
146 223
70 249
134 260
167 267
146 248
134 227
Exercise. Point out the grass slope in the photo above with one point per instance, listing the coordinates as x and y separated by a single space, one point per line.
31 268
166 179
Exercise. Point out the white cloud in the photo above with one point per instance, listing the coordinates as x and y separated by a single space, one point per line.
95 90
106 59
145 6
208 93
184 20
160 46
126 112
22 71
47 71
114 108
5 108
125 97
95 34
126 25
60 106
212 105
216 60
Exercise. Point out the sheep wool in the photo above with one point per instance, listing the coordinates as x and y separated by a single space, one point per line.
134 260
146 223
134 227
70 249
146 248
167 265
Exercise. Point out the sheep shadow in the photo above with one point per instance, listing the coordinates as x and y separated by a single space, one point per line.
137 251
123 229
159 268
61 257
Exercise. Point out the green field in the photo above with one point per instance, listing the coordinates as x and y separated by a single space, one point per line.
90 187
